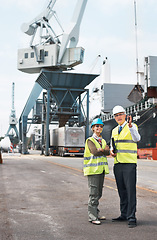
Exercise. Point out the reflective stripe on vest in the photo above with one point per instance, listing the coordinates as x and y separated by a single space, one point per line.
94 164
125 141
126 147
126 151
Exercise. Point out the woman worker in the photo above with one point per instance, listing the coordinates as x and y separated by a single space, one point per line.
95 168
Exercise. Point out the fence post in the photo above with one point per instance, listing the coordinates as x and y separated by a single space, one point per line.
1 160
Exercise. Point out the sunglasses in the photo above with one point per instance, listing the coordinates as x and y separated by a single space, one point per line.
118 115
99 126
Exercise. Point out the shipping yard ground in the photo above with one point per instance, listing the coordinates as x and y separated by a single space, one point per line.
45 198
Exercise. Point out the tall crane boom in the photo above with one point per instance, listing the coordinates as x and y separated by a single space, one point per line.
29 28
13 84
51 52
72 33
12 117
41 21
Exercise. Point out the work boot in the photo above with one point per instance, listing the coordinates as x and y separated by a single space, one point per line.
119 219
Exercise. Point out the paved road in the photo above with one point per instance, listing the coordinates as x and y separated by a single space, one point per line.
146 169
45 198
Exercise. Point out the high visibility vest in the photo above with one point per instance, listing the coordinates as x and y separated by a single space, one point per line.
125 146
94 164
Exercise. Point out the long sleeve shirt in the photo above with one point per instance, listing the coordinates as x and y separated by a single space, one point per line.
95 151
134 133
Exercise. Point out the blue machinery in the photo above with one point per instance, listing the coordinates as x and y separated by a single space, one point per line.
62 102
52 57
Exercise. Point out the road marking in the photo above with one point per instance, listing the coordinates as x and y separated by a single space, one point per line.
111 188
61 165
147 189
78 170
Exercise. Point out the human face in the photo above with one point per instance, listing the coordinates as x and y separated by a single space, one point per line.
120 118
97 129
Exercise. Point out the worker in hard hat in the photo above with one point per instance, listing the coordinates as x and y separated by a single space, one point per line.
125 137
95 168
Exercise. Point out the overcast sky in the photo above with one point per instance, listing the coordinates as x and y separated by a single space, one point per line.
107 29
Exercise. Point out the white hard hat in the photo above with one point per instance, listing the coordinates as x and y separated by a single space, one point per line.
118 109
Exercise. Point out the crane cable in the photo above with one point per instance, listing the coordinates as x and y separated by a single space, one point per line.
137 61
94 63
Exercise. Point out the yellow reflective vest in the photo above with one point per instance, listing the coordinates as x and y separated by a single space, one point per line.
125 146
94 164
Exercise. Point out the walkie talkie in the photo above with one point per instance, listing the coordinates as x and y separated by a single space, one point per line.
128 120
113 145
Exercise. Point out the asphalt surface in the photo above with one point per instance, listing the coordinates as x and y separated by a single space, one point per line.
45 198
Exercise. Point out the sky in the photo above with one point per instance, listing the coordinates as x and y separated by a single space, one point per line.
107 29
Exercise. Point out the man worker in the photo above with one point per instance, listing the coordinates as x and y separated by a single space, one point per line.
125 136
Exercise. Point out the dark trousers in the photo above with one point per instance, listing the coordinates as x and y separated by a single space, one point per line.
95 184
125 175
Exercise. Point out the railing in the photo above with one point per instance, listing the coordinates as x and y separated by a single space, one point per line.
138 107
129 110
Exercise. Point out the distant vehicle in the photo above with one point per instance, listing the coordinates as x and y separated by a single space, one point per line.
67 141
6 145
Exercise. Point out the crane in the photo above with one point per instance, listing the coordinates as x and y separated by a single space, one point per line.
42 22
50 52
12 117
